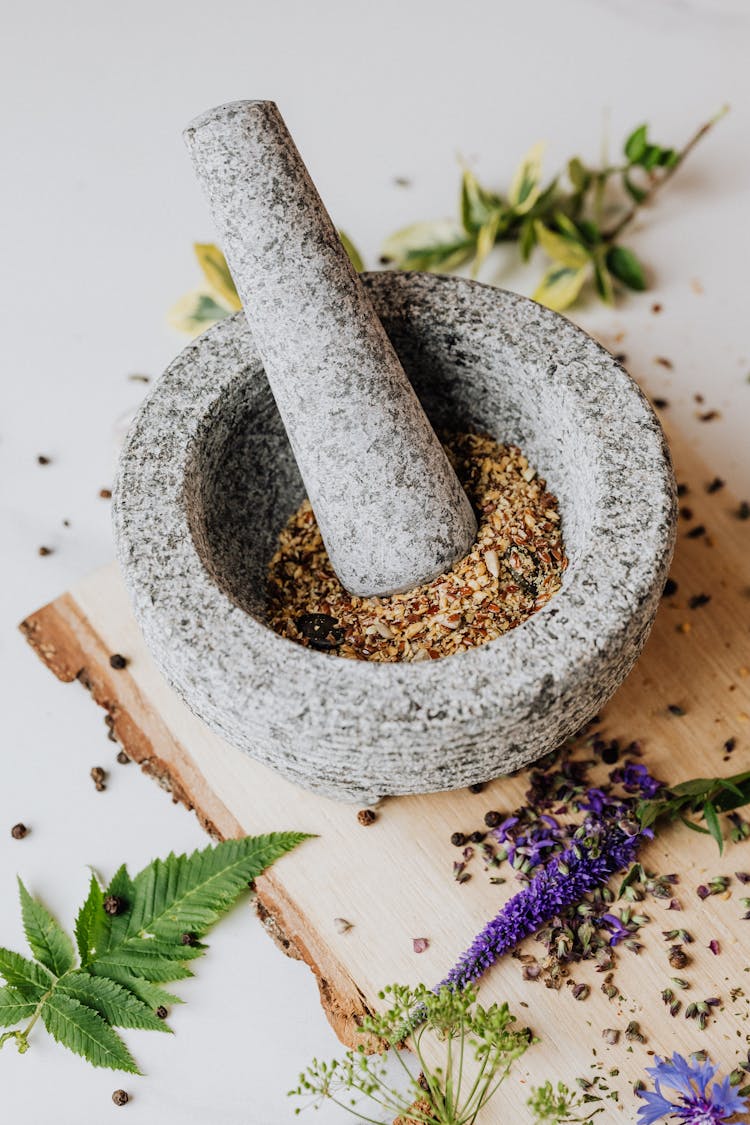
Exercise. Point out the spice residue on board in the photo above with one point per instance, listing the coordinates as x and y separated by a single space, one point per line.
514 569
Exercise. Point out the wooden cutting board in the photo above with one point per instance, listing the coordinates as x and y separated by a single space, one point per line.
393 880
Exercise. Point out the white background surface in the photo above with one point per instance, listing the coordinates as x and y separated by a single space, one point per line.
99 211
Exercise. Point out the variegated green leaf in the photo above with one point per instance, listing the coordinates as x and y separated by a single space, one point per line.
440 245
561 248
526 187
195 312
217 275
354 255
560 286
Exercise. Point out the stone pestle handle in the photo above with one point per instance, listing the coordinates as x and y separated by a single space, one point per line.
389 505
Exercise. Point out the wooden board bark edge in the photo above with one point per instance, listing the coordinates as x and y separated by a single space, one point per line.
68 645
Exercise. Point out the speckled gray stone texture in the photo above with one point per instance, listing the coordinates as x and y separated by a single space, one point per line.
207 480
388 503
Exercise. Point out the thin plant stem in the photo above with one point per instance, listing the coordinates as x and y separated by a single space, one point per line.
657 182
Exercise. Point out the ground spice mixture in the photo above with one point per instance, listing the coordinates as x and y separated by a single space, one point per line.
513 570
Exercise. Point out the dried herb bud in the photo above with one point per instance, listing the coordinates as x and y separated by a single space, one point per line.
118 661
678 958
120 1097
18 831
114 905
633 1032
367 817
420 944
611 1036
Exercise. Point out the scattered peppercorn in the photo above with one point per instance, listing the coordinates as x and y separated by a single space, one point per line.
743 512
114 904
478 787
664 362
675 709
698 600
610 753
477 837
670 588
120 1097
656 307
188 939
621 357
118 661
661 403
367 817
122 758
708 415
696 532
42 460
44 551
105 493
99 776
492 818
18 831
161 1012
682 490
686 513
458 839
715 485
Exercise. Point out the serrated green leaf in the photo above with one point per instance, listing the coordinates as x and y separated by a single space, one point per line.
713 825
83 1031
560 286
152 995
117 1004
138 962
353 253
90 922
561 248
623 264
440 245
47 940
636 144
33 980
525 187
188 893
15 1006
195 312
216 272
112 928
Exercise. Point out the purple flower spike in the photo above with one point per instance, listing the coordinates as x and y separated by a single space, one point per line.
596 853
694 1100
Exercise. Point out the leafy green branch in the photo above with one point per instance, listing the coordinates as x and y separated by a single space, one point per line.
565 218
704 797
132 937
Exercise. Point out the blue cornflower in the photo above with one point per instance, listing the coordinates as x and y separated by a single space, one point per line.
693 1101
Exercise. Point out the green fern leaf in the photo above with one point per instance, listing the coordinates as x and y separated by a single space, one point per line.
139 962
14 1006
83 1031
47 941
32 979
119 1006
90 922
189 893
152 995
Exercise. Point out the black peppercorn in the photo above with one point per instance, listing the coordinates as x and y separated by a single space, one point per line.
118 661
458 839
367 817
98 776
477 837
188 939
477 788
120 1097
670 588
113 905
18 831
122 758
610 753
492 818
161 1012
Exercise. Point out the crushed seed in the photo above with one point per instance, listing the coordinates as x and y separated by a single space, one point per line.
513 570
